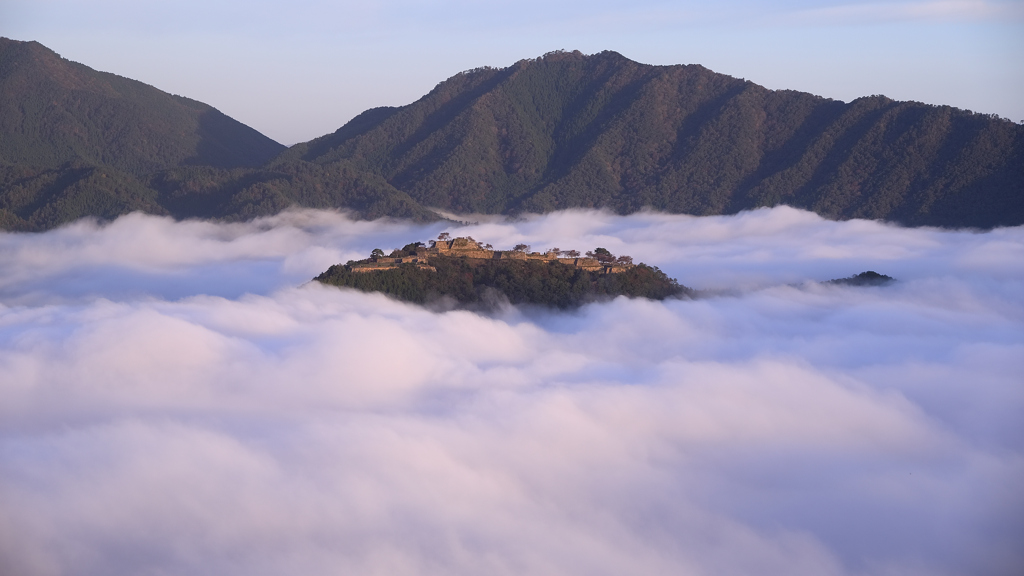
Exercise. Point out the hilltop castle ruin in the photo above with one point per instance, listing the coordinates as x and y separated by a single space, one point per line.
473 250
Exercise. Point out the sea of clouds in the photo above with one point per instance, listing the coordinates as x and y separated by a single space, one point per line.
178 398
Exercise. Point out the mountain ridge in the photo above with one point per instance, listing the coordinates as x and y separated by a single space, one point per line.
78 142
568 130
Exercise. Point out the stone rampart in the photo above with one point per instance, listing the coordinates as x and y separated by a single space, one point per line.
471 249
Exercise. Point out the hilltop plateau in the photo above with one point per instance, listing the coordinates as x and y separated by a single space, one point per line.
473 274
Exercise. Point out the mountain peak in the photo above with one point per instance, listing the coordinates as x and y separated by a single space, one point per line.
62 122
568 130
55 111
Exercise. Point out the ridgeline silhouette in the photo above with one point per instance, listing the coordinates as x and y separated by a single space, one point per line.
565 130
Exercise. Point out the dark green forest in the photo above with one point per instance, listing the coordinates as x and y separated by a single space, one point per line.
75 142
475 282
869 278
565 130
569 130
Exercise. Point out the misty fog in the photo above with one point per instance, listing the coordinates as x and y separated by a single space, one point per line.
179 398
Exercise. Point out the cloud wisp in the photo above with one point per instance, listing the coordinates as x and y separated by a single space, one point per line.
157 421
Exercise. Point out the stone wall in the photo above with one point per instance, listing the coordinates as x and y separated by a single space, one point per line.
471 249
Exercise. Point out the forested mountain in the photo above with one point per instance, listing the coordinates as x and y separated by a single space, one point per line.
74 141
570 130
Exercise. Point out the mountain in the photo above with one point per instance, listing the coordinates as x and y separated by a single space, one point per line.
75 142
569 130
561 131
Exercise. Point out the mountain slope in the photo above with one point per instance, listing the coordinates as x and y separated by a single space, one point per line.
561 131
569 130
75 142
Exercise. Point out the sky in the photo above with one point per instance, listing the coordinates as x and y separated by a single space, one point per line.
300 69
178 398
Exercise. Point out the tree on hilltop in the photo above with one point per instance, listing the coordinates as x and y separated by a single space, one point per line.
601 255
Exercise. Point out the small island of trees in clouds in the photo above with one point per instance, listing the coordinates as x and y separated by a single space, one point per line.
474 274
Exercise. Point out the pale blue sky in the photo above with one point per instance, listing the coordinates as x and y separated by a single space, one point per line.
296 70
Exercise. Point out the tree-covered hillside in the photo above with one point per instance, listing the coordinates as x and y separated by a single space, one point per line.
561 131
75 142
569 130
469 281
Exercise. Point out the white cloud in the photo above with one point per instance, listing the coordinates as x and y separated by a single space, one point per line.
785 427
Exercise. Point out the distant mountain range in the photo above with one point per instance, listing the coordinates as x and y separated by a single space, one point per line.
561 131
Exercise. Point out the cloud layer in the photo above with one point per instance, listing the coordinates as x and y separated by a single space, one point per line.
175 398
